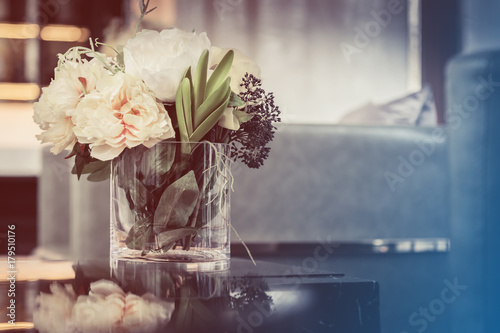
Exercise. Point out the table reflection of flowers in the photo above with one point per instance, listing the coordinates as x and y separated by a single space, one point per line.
106 307
146 299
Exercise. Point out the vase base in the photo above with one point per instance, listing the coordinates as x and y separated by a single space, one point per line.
199 261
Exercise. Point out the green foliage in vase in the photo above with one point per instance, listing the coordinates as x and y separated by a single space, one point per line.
200 103
85 164
165 189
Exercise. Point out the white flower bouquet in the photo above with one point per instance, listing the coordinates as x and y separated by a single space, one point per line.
118 114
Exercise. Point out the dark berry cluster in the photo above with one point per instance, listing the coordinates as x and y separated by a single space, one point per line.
249 142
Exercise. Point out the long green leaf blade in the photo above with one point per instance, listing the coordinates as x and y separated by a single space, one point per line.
220 73
188 75
200 80
211 103
211 120
179 108
187 105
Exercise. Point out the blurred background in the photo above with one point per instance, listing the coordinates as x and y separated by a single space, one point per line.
362 84
323 59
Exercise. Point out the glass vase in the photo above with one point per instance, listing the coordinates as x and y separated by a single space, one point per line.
171 203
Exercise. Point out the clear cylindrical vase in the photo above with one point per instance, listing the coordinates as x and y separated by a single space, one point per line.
171 203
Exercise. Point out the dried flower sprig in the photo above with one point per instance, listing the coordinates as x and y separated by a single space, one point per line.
249 142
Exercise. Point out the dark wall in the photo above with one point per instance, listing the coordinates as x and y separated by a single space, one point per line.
441 40
18 207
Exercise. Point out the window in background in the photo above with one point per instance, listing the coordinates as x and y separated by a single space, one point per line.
19 49
323 58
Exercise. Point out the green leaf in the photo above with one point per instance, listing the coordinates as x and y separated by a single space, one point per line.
220 73
235 100
200 80
74 151
125 168
210 121
100 174
119 56
187 105
156 161
139 234
189 76
92 167
79 165
179 106
177 203
212 103
138 193
173 235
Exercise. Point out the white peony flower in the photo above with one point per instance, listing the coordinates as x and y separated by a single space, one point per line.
102 310
146 313
54 311
97 313
105 288
59 100
160 59
242 64
122 112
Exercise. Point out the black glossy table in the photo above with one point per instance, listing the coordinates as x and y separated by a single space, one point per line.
269 297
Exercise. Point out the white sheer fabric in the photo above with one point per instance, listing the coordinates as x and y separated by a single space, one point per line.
322 58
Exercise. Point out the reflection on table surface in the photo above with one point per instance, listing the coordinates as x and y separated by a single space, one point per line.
155 297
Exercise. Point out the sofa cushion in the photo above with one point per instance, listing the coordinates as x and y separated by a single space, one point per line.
473 104
347 183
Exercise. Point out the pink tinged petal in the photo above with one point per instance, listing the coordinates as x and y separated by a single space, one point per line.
132 143
116 130
151 142
116 142
133 121
106 152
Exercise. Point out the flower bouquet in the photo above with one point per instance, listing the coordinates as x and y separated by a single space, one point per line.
164 117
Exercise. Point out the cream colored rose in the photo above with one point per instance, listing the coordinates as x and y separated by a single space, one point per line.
242 64
121 113
160 59
58 101
53 312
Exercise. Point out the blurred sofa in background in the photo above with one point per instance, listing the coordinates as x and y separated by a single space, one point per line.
378 197
473 98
